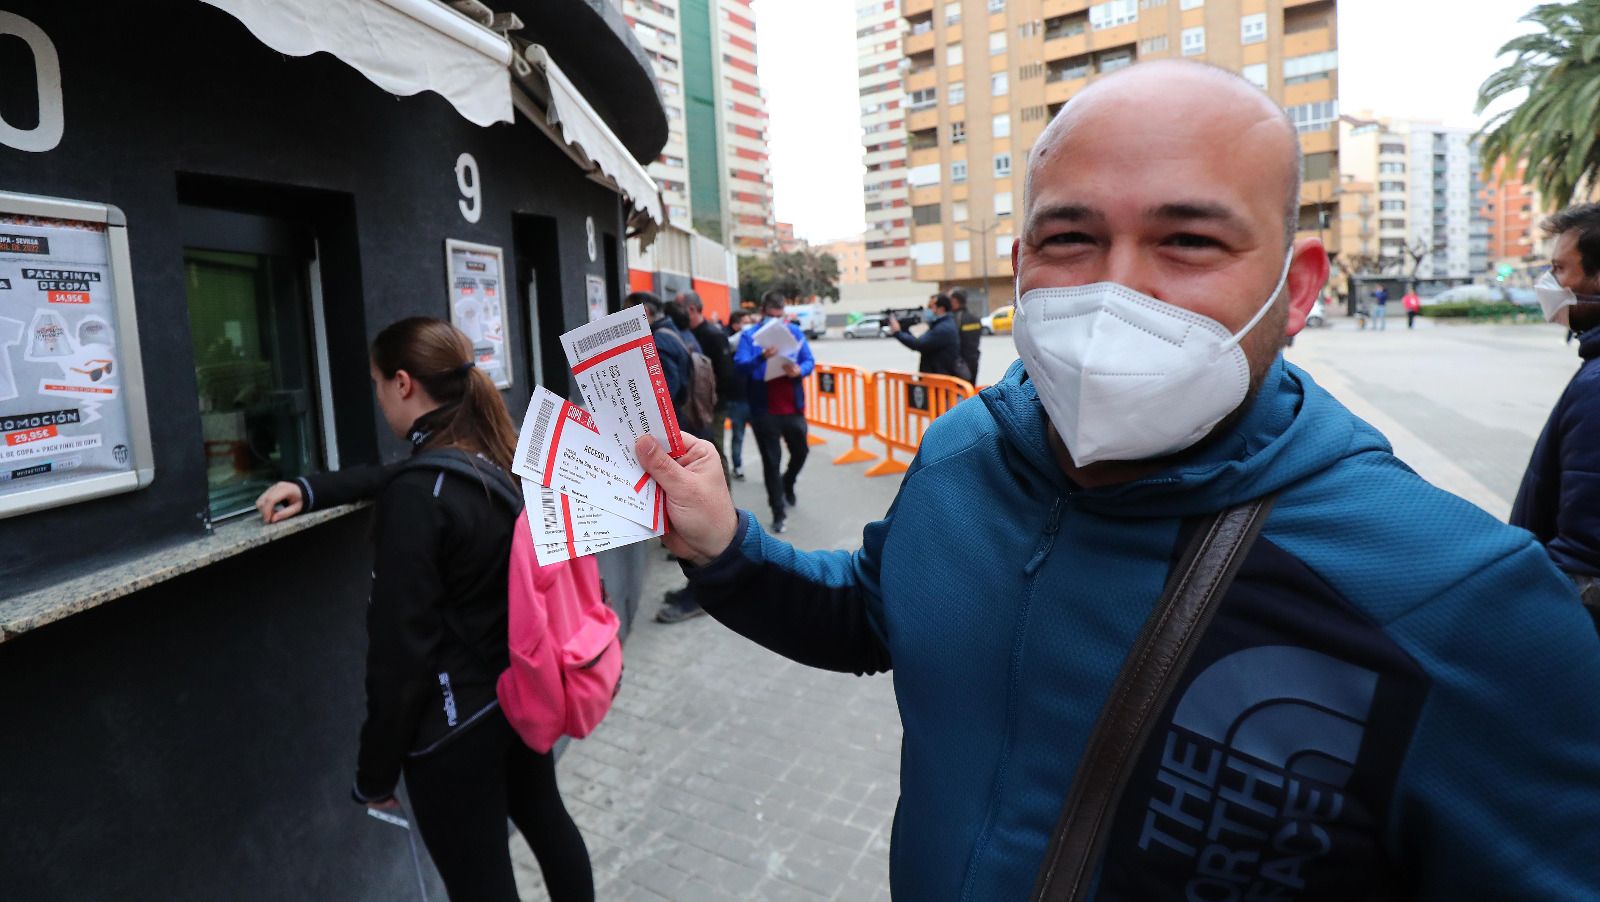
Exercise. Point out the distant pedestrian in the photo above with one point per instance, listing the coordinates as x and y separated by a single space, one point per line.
1380 301
1413 305
1559 501
777 408
971 329
738 400
437 624
940 345
714 344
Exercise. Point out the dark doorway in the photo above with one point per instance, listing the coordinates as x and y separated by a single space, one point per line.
537 258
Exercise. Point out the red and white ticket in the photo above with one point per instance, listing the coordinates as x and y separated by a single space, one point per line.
619 374
562 448
565 528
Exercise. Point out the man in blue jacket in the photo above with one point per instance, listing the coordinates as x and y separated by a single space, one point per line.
1358 720
1559 501
777 407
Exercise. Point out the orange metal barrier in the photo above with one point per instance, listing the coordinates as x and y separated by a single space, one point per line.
840 398
903 406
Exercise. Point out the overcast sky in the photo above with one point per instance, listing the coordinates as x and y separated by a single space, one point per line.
1419 59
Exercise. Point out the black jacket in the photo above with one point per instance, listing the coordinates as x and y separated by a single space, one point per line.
1559 501
436 618
714 344
971 328
939 346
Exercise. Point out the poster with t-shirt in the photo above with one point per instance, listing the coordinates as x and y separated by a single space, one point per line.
478 305
64 404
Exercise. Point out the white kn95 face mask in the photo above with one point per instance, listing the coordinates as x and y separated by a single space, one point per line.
1124 376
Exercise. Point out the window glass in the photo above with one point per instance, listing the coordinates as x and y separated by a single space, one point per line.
250 321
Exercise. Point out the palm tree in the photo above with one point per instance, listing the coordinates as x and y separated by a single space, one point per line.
1556 127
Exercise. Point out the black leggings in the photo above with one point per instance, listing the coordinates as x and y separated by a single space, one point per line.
461 795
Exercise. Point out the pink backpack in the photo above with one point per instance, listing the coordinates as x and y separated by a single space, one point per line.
566 659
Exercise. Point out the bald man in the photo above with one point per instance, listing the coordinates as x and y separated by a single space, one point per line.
1363 716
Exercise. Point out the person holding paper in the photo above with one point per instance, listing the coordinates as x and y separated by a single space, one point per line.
774 358
436 626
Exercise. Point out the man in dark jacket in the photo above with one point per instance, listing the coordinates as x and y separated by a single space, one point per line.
971 329
677 368
713 344
1559 501
940 346
676 365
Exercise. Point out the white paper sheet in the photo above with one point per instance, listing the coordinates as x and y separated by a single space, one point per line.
564 528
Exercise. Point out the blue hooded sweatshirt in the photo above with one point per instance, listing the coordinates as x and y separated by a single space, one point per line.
1398 698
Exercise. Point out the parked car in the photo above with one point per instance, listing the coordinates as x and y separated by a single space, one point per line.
1318 317
998 321
811 319
867 327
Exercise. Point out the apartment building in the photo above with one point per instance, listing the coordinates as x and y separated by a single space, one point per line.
851 254
714 172
880 36
983 78
1510 207
1426 199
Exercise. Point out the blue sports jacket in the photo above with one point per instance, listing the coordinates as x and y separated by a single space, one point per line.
1370 716
750 366
1559 501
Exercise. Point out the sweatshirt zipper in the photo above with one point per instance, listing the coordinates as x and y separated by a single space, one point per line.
1047 540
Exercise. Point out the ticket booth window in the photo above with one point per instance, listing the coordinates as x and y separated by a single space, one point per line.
250 316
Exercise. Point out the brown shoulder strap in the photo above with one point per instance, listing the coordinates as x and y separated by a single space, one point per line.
1141 690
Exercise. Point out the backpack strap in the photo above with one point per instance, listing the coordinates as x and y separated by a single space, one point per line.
1143 685
467 466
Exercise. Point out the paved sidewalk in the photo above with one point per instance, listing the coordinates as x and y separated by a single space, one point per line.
726 772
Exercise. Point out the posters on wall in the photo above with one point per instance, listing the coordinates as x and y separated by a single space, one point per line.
478 304
596 287
64 411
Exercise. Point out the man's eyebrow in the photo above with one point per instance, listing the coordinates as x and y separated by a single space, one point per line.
1196 210
1064 213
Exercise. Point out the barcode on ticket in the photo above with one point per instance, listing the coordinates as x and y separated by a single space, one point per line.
541 426
607 335
547 506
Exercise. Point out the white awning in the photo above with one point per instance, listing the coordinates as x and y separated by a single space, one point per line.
573 123
402 46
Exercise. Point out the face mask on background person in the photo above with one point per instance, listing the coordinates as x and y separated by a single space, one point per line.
1124 376
1557 301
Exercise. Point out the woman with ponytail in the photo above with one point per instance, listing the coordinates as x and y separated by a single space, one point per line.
436 623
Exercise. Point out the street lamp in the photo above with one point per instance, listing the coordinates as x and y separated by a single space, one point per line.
983 249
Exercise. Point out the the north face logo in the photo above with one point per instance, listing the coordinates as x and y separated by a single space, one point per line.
1250 786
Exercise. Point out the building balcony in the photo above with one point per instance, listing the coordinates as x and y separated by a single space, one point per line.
921 81
909 8
1324 141
1308 92
921 119
1062 91
1066 47
922 157
1052 8
1301 43
920 43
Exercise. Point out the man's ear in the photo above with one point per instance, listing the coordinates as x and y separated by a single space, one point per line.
1308 273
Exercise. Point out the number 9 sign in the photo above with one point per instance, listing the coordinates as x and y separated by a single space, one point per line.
471 202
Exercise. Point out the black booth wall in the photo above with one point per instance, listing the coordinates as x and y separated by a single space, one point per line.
195 740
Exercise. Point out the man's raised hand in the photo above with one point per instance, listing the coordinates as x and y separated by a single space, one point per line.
700 514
